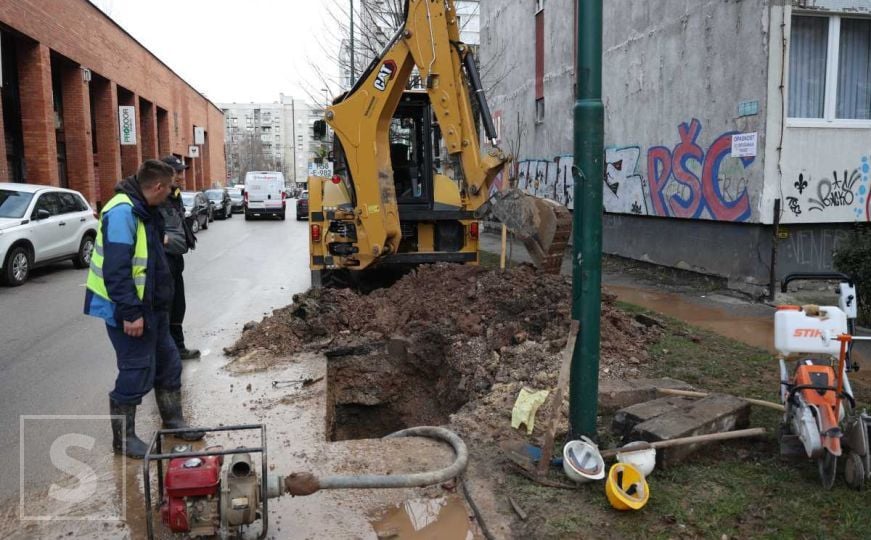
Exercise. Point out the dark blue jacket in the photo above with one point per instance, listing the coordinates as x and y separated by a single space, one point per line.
118 227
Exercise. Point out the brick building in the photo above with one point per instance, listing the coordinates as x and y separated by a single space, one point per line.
68 72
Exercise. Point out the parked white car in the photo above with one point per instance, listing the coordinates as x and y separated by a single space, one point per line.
41 225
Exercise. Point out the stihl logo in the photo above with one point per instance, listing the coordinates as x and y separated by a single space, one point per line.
386 72
807 333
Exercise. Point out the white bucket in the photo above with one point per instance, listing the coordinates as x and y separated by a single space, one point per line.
582 461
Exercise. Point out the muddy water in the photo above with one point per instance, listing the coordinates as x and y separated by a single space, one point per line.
297 441
725 318
442 518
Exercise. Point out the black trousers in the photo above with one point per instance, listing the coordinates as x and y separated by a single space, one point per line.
178 307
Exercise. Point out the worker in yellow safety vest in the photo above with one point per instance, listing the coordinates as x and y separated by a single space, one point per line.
130 287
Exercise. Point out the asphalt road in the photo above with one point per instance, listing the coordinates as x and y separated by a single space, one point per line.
56 361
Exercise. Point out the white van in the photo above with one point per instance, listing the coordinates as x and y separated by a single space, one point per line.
264 194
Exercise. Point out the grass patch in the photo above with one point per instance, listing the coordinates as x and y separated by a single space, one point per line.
740 489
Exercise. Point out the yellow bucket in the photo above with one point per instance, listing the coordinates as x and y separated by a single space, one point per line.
626 487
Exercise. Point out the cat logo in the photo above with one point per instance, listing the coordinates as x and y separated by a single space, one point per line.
386 72
807 333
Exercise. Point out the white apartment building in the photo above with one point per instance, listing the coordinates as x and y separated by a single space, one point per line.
280 130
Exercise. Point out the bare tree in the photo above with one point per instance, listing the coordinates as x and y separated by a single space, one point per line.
375 22
252 155
514 142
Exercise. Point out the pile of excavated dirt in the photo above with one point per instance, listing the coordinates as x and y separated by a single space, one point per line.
477 336
447 305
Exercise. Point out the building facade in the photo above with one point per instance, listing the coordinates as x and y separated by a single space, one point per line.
721 118
274 136
83 103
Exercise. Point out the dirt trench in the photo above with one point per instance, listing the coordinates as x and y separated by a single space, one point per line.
444 345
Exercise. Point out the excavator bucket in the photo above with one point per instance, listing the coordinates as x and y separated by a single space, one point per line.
543 225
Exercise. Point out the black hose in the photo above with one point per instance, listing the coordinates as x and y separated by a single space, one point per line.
478 89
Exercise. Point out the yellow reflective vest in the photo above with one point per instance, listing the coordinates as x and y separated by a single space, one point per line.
140 254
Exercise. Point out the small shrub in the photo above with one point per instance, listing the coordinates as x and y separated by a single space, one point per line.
854 259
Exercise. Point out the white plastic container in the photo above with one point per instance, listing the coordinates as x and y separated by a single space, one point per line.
795 331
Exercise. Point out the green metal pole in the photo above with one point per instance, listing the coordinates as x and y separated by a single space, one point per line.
587 232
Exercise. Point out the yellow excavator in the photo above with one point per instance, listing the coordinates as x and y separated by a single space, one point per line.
410 184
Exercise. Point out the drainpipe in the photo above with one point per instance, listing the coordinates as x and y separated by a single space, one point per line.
589 174
772 276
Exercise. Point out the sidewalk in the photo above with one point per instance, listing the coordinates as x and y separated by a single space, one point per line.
696 299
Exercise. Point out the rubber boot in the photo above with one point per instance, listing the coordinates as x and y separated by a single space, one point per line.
124 439
188 354
169 405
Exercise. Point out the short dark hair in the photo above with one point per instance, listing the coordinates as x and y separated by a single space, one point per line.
152 171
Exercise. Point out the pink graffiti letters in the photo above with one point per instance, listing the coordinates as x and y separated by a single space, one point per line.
697 194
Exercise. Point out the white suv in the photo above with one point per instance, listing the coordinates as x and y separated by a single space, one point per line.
41 225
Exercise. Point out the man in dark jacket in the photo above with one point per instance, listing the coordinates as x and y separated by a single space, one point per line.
178 240
130 287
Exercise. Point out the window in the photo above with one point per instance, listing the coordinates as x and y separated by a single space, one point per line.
49 202
539 111
71 203
13 204
830 70
854 70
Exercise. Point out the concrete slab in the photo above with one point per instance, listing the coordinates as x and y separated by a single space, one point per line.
627 418
617 394
712 414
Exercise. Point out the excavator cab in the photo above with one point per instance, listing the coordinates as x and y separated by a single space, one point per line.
434 225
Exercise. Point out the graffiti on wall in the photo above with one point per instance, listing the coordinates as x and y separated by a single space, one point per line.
551 179
687 181
625 190
841 194
812 248
693 182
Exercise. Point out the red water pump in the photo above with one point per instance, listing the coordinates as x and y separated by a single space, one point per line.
191 494
203 496
200 495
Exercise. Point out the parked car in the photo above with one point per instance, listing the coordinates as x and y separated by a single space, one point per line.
264 194
40 225
196 209
302 206
220 199
236 200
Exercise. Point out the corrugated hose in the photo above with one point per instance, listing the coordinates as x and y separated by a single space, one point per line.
306 483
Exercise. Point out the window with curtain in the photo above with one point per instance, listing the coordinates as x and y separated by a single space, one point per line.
807 66
854 70
830 52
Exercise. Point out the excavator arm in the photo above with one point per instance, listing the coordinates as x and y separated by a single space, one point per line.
430 41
